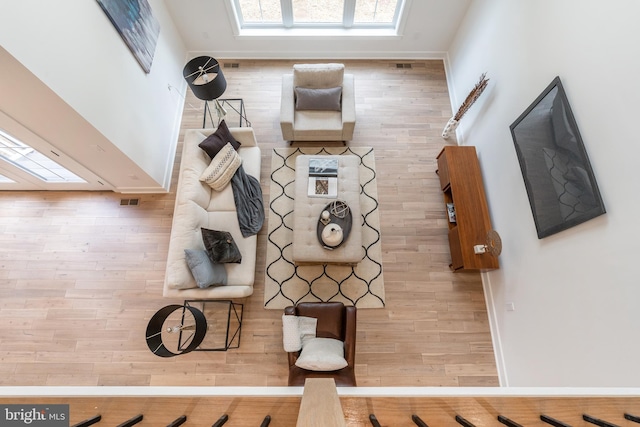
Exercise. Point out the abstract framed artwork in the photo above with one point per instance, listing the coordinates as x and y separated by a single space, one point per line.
136 25
560 182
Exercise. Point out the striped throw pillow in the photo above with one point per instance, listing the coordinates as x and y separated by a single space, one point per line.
222 167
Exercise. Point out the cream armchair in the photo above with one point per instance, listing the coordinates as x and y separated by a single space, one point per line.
318 104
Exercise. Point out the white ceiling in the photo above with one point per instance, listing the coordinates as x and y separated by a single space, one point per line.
205 26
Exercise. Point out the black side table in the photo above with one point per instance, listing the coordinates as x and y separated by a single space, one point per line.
235 110
224 323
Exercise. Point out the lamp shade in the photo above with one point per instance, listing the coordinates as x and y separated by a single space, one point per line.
205 78
156 326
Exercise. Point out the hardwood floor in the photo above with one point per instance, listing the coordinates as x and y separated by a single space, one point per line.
81 274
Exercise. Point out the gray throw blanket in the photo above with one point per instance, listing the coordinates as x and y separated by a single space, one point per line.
247 195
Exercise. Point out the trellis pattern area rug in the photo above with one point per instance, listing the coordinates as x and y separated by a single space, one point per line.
287 284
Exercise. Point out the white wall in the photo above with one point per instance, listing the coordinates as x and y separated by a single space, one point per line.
74 49
575 293
205 27
99 96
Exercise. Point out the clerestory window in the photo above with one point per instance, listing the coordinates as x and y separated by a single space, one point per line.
318 14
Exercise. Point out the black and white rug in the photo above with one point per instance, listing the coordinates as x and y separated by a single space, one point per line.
286 284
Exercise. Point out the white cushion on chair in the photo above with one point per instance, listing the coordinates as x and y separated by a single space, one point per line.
296 330
322 354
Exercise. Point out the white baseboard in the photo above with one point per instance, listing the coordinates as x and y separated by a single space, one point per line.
303 55
495 331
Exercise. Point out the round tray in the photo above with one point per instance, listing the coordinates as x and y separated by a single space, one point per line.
345 223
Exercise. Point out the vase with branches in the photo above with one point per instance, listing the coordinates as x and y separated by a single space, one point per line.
473 96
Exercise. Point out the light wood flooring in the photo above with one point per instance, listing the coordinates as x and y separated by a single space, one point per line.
80 275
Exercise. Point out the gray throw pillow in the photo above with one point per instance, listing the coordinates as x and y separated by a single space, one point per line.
318 99
204 271
220 246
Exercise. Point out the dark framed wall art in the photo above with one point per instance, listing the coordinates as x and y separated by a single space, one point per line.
136 25
560 183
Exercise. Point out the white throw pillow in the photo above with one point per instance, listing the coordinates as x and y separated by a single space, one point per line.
295 329
322 354
222 168
307 327
290 333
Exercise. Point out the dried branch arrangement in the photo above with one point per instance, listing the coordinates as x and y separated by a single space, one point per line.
472 97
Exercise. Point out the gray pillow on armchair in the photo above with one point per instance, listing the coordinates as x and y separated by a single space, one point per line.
318 99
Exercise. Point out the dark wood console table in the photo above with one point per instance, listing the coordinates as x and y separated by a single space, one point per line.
461 183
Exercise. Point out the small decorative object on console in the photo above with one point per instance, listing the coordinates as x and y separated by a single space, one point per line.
451 212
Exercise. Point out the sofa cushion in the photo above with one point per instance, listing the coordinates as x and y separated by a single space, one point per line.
318 75
310 123
194 190
322 354
214 142
239 274
318 99
194 161
185 233
220 246
222 167
188 218
204 271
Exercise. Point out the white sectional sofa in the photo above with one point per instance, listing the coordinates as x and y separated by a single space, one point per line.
197 205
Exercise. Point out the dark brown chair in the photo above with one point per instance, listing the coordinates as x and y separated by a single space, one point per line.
335 320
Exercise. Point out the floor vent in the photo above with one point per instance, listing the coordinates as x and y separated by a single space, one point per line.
403 65
130 202
231 65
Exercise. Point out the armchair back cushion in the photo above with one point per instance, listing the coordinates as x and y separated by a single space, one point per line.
330 318
318 76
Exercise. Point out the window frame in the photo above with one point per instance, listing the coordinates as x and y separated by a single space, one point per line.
289 28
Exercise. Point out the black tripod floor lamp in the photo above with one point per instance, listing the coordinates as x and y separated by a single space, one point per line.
197 325
207 82
175 329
